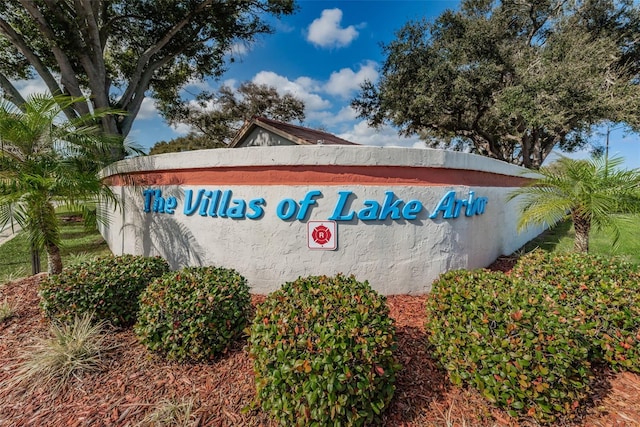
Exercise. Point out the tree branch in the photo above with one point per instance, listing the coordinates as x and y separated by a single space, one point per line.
109 23
10 91
91 57
155 48
19 42
68 74
85 10
134 104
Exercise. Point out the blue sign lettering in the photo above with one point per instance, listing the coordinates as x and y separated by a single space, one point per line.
190 206
213 205
411 209
222 204
256 206
451 207
148 197
370 211
218 204
306 203
286 208
154 202
338 212
170 205
391 207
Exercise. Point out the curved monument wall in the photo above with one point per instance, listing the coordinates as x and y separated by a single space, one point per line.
396 217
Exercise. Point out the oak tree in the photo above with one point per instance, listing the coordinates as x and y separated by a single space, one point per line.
216 117
120 51
189 142
511 79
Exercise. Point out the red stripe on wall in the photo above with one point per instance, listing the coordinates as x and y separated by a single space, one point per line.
318 175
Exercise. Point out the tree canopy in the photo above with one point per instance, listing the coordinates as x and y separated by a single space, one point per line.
218 116
119 51
188 142
511 79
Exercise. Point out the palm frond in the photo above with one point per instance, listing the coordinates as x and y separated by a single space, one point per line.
12 214
596 190
48 158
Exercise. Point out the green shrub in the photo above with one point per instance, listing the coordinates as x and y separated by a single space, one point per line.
106 287
194 313
510 340
526 340
604 296
323 352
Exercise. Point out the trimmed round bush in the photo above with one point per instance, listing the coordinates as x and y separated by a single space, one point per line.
106 287
511 341
193 314
527 340
604 296
323 352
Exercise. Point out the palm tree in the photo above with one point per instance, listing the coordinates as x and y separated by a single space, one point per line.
47 160
593 193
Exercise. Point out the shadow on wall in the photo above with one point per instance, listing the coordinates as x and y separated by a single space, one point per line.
158 234
164 236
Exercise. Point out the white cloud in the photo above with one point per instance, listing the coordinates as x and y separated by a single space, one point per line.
326 31
201 85
211 104
35 86
148 109
239 49
282 27
344 82
346 114
329 120
208 105
181 129
302 88
308 83
30 87
232 83
386 136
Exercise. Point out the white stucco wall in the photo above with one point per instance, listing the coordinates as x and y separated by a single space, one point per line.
395 256
316 155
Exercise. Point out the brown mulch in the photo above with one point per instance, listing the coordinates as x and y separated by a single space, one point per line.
135 382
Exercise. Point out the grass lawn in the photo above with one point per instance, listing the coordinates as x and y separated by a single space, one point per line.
561 237
15 258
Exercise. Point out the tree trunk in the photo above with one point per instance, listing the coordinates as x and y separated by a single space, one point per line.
35 260
582 226
54 259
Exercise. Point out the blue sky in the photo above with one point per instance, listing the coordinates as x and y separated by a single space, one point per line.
321 54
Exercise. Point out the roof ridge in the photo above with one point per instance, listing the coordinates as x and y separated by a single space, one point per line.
303 128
